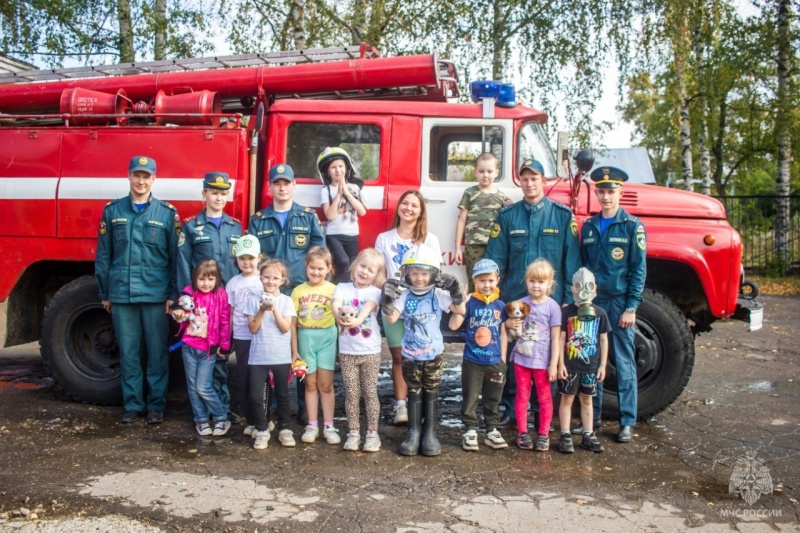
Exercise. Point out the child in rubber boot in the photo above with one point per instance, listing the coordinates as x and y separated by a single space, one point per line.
483 371
419 298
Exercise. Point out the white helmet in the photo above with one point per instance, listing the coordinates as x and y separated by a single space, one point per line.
421 256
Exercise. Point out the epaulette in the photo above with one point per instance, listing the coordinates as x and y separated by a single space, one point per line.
112 202
309 209
169 205
257 214
562 206
506 208
187 220
236 220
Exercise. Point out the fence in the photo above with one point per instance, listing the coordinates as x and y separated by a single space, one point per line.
754 219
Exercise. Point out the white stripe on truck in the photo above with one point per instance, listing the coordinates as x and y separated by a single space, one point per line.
28 188
167 189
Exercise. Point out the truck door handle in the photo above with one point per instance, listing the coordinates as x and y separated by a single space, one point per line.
435 200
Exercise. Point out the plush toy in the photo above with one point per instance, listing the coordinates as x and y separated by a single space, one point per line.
300 369
516 309
347 313
184 308
267 300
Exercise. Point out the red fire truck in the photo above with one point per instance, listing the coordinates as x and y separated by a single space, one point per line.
66 137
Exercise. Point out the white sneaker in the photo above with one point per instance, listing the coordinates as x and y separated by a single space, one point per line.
400 414
353 441
262 439
469 442
495 440
373 442
249 431
271 425
286 438
331 435
310 434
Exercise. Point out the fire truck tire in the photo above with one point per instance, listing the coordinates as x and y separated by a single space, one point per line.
78 344
664 357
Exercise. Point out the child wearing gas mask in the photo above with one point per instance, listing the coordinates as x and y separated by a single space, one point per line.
582 359
419 299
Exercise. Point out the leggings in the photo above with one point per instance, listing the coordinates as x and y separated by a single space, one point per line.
259 377
539 377
344 249
360 376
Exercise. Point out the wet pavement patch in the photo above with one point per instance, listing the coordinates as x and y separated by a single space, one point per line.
191 496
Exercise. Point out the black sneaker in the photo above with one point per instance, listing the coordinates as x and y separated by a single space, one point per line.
524 441
565 443
577 429
130 416
591 443
155 417
505 420
542 443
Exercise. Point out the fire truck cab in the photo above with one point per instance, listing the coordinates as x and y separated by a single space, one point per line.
64 147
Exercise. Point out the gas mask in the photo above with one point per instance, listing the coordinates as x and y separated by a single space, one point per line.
584 290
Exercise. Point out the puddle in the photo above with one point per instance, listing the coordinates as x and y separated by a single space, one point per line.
763 385
712 492
192 496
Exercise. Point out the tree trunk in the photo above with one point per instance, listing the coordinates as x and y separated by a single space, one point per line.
160 27
498 42
298 23
686 130
702 139
126 54
783 215
359 29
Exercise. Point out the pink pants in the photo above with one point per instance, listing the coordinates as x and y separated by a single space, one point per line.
539 378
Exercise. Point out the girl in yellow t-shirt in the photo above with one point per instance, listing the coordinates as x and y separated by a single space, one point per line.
315 342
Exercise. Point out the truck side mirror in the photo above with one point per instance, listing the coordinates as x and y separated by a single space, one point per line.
562 154
584 160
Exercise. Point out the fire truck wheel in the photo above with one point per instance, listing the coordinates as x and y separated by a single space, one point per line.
78 344
664 357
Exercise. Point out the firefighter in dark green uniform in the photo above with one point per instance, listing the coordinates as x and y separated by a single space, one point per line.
286 230
212 234
613 245
135 267
533 228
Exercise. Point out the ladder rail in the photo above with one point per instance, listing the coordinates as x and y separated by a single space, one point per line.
311 55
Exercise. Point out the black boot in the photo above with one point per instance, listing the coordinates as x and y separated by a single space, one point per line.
410 446
430 444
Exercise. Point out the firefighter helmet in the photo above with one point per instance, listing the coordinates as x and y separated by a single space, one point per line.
328 156
421 256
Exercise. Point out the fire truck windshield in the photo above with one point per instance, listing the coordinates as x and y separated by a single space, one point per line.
532 144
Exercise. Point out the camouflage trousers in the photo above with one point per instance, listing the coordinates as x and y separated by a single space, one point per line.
472 254
420 375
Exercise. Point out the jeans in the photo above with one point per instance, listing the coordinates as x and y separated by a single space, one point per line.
220 382
199 367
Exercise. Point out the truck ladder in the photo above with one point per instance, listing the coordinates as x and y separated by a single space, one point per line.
311 55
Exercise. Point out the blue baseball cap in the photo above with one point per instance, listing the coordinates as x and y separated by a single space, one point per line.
281 172
140 162
484 266
217 180
532 164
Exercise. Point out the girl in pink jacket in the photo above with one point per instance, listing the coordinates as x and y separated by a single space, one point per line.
206 326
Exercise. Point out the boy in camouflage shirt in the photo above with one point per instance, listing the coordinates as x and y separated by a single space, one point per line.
478 208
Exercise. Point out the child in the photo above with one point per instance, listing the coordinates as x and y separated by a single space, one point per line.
420 307
271 318
242 288
212 234
341 202
584 327
355 306
206 337
478 210
483 371
315 342
535 354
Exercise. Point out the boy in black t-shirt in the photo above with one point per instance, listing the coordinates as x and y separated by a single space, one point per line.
582 362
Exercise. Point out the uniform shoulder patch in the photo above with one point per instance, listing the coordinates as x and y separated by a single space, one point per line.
495 231
573 227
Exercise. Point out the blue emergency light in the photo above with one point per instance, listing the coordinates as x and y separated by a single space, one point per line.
503 93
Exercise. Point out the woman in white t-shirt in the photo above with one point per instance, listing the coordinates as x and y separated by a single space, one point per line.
410 227
341 202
